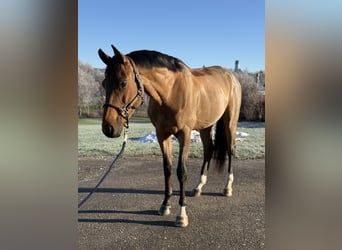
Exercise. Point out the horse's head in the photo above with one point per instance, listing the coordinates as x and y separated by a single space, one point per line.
124 92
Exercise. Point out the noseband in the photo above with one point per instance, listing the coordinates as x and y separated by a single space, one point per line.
140 94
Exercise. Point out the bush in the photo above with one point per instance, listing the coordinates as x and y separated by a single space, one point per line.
253 101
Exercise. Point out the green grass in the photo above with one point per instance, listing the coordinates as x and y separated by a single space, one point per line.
89 121
252 146
92 143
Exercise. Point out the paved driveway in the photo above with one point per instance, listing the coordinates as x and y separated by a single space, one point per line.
123 213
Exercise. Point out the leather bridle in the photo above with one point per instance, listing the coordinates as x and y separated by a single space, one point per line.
140 94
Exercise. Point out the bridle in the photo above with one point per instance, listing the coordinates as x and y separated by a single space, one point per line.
140 94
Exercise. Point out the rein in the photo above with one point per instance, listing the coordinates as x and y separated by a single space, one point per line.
140 94
124 113
107 172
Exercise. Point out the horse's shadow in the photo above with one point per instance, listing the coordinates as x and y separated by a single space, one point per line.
163 223
160 223
140 191
120 191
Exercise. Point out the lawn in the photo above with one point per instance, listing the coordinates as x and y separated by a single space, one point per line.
92 143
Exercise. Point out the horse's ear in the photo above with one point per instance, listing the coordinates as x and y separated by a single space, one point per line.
104 57
118 55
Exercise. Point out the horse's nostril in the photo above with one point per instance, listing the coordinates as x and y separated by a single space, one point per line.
108 130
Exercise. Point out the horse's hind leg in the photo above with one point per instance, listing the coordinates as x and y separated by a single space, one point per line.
208 151
166 147
228 190
232 121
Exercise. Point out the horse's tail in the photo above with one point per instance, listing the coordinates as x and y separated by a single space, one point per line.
220 144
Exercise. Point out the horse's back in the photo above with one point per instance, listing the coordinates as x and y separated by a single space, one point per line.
197 99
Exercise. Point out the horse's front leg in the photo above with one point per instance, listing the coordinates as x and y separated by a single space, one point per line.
184 143
208 152
166 147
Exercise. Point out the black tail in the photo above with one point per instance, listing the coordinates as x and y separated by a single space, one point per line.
220 144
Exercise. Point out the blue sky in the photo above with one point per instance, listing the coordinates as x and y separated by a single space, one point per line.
215 32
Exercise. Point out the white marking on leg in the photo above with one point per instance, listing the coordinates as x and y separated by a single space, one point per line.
229 184
201 182
182 218
182 211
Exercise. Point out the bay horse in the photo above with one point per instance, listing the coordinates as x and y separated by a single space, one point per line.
181 100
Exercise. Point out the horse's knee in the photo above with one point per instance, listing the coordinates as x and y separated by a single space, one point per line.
182 174
182 177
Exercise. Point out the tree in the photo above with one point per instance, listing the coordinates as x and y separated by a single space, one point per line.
89 93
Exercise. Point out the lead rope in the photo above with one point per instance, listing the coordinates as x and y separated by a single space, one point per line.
108 170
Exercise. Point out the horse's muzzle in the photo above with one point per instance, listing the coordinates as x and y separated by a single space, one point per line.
110 132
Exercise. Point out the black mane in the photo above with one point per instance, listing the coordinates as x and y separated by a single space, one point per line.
150 59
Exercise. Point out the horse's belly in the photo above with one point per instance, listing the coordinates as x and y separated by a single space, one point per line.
205 122
209 110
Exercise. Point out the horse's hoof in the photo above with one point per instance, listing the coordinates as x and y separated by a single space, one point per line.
164 210
182 221
227 192
196 192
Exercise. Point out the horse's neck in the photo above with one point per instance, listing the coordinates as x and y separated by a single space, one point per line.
157 84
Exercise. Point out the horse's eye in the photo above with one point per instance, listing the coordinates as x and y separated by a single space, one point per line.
123 84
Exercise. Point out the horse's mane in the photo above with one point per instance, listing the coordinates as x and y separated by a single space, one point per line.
150 59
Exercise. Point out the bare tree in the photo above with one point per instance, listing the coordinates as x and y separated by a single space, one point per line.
89 93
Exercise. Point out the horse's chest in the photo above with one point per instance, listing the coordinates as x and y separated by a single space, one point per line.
166 118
